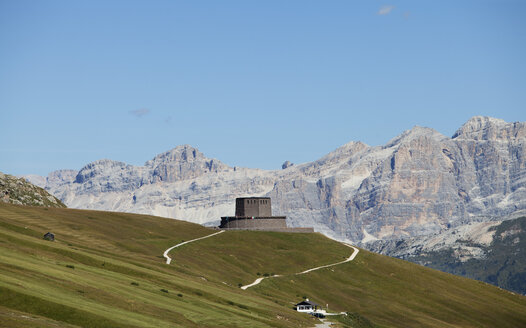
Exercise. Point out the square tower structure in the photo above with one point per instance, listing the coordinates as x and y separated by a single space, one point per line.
253 207
255 213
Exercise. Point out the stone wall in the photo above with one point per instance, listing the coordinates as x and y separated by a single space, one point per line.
295 230
273 222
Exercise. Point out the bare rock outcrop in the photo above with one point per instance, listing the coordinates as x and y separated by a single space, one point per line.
19 191
183 163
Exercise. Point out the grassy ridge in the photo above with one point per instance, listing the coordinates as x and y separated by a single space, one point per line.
106 270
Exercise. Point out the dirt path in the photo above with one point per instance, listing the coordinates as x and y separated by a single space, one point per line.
324 324
258 280
169 259
350 258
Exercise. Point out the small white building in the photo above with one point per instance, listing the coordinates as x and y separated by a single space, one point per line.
307 306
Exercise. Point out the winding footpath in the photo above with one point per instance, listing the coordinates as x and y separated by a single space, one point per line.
169 259
258 280
350 258
353 255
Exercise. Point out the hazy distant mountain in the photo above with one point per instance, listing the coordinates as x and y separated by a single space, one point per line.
419 183
489 251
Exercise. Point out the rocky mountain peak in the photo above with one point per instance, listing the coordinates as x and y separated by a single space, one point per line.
352 147
181 163
349 149
100 167
336 158
489 128
416 132
182 153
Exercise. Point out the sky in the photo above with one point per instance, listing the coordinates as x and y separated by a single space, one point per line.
251 83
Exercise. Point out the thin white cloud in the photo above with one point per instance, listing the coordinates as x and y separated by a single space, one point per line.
385 10
140 112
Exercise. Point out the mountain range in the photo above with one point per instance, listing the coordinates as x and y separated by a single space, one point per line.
419 183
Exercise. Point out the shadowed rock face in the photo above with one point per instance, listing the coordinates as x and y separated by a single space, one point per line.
420 182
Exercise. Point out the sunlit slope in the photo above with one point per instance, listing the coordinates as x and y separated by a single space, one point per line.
239 257
387 291
391 292
106 270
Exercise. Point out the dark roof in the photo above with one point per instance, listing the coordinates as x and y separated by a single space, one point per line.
253 198
306 302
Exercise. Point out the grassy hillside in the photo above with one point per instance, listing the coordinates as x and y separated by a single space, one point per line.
106 270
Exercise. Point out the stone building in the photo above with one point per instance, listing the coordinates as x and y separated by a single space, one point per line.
253 206
255 213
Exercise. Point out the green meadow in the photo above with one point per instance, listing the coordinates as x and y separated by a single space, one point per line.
107 270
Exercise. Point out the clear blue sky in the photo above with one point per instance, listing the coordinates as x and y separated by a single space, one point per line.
251 83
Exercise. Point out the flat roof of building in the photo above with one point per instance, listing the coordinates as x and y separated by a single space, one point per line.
253 198
252 217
